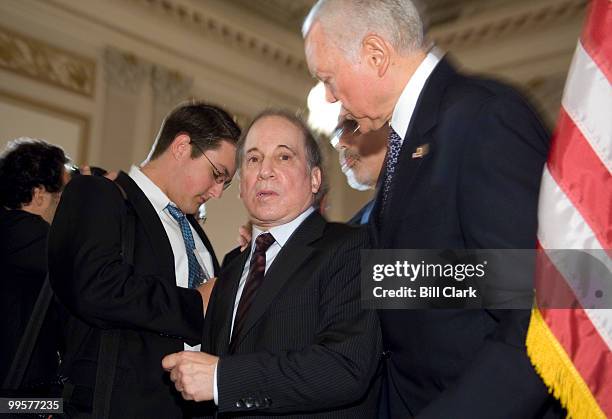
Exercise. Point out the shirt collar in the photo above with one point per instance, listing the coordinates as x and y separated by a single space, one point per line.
156 196
404 108
282 232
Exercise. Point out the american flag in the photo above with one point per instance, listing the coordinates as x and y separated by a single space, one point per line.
571 348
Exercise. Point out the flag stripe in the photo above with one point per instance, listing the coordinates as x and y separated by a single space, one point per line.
557 279
561 226
587 94
589 353
584 179
596 35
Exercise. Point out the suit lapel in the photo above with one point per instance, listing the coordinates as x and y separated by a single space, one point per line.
196 226
294 254
149 220
227 287
424 119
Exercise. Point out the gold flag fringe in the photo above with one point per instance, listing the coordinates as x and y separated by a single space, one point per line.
558 372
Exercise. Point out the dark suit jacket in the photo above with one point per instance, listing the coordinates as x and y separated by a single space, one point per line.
308 350
477 188
23 263
100 291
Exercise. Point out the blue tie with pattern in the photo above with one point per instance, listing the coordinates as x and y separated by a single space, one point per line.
394 144
196 274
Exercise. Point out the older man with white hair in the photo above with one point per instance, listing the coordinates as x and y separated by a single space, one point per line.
463 168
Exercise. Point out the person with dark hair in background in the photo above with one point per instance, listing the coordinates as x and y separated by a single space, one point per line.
32 177
285 335
465 158
155 302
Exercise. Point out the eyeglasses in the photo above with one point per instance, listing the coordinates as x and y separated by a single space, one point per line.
347 126
220 177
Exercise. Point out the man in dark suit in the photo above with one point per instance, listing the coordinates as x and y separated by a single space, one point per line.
285 334
463 169
32 177
153 302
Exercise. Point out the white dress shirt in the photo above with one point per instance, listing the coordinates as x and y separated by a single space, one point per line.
281 234
159 200
404 108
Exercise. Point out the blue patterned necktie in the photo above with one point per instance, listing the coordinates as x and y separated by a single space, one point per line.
196 274
394 144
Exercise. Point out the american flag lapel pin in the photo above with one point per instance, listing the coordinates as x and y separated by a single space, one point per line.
421 151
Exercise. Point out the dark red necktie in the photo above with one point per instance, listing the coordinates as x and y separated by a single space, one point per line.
253 282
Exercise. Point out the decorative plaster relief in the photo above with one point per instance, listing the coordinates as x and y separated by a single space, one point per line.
169 86
125 70
185 15
35 59
477 29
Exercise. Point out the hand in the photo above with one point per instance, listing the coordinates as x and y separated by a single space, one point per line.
85 170
192 374
205 291
244 235
111 175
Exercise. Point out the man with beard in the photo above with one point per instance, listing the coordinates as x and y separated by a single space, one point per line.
361 157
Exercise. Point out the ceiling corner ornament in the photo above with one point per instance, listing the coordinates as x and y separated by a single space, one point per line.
38 60
207 26
538 15
170 86
125 70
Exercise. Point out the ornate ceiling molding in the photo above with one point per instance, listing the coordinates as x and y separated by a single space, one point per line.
125 70
169 86
482 28
128 72
35 59
207 25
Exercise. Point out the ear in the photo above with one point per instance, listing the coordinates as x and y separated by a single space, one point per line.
38 196
376 53
315 179
181 147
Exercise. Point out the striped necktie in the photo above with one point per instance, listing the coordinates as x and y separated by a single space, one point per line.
253 282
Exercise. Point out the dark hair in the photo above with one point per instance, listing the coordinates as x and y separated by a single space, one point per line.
314 156
206 125
27 164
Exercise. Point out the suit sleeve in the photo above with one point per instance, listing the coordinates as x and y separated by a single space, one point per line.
499 185
335 370
89 276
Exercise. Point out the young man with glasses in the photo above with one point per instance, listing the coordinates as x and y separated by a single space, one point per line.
155 302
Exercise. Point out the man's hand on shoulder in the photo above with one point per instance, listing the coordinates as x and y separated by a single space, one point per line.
192 374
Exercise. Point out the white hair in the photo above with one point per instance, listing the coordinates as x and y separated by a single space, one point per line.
346 22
